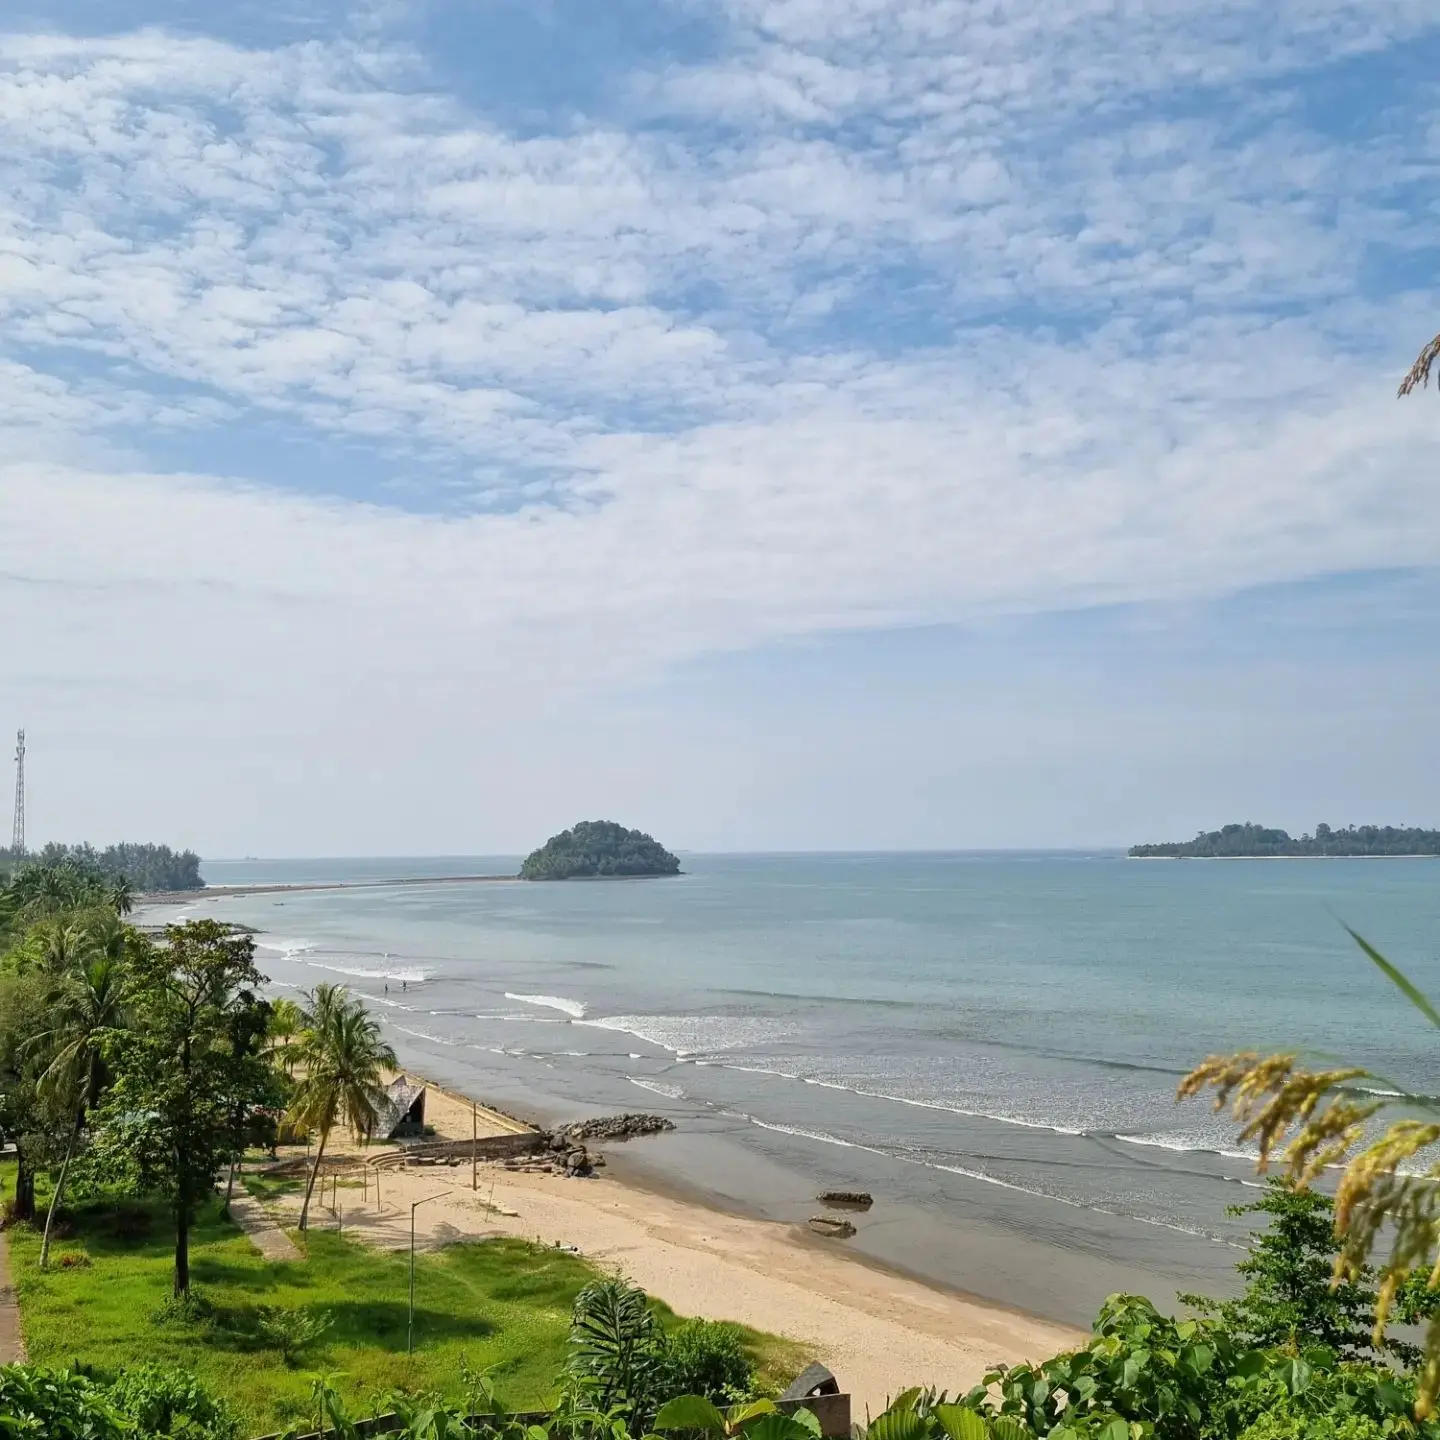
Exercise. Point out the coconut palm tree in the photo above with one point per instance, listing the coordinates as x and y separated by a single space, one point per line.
92 1002
287 1020
343 1060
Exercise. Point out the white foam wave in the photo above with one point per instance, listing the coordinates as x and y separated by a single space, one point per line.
688 1035
574 1008
421 1034
1001 1119
1187 1145
658 1087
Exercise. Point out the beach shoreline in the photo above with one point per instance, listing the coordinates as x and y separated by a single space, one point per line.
878 1328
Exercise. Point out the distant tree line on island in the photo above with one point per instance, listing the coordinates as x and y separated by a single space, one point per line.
144 868
1238 841
595 849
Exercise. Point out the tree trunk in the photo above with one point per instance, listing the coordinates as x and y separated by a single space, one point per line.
24 1186
229 1189
182 1250
310 1184
59 1191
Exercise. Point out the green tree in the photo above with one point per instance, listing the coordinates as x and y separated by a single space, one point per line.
24 1012
1291 1298
90 1006
170 1115
343 1061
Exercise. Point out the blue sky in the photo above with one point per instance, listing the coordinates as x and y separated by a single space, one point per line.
773 422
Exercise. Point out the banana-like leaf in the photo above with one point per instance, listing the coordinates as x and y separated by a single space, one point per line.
738 1415
1392 973
690 1412
777 1427
808 1418
961 1423
1007 1427
898 1424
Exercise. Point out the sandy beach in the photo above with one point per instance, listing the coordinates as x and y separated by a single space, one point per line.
879 1332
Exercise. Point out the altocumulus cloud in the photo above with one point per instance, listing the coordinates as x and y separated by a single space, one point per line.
869 313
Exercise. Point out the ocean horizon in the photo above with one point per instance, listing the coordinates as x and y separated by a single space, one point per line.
989 1041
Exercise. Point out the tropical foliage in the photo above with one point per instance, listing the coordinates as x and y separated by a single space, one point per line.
596 848
343 1060
1387 1202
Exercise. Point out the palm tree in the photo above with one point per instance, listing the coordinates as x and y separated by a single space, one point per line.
60 945
343 1059
92 1002
287 1020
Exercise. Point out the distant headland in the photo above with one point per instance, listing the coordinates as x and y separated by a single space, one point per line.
1257 842
598 849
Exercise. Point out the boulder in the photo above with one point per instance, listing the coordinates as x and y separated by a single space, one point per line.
847 1199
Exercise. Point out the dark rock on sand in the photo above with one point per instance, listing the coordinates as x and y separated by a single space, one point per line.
847 1199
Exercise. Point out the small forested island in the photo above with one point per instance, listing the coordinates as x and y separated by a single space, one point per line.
594 849
144 868
1259 842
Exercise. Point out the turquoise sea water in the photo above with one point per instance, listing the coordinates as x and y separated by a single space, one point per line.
992 1040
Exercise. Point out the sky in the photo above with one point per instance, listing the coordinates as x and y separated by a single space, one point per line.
776 424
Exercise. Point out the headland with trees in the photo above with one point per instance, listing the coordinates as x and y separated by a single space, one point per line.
1250 841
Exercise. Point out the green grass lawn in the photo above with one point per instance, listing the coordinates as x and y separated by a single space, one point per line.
502 1305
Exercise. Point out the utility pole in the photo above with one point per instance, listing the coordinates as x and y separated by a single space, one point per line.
17 843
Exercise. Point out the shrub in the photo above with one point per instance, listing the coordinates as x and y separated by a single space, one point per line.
707 1357
171 1403
56 1404
291 1331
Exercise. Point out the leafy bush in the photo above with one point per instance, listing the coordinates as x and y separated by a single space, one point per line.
707 1357
616 1351
292 1331
56 1404
1291 1296
170 1403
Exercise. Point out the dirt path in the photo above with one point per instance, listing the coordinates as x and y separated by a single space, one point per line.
265 1235
12 1341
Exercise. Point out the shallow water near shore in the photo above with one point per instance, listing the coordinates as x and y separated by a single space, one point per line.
989 1043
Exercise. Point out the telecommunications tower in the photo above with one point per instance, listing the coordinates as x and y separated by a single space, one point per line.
18 843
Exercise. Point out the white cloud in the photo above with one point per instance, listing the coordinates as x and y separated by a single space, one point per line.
890 313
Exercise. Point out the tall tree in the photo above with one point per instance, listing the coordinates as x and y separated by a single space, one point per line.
179 1076
88 1007
23 1012
343 1061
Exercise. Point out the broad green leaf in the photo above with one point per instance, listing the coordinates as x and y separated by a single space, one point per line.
779 1427
1397 978
690 1412
1115 1429
738 1415
1007 1427
808 1418
962 1424
897 1424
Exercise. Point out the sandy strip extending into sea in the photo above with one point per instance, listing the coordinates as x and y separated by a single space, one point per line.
877 1331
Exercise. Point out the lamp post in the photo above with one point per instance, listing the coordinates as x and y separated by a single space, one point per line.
410 1325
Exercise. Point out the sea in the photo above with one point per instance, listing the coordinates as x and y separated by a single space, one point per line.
989 1043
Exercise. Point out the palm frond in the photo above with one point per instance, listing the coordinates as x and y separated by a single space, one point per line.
1419 375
